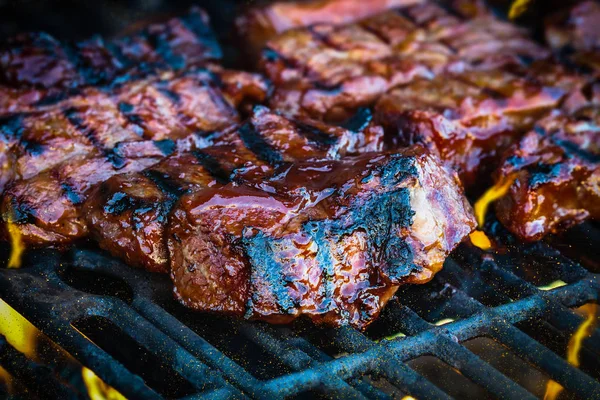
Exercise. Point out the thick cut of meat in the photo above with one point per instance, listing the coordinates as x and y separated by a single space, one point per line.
330 240
467 119
260 23
36 69
326 70
47 207
59 154
128 213
170 106
557 170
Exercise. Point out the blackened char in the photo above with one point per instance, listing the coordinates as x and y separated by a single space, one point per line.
557 171
38 70
249 153
331 240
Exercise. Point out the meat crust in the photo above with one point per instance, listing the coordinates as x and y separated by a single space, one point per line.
171 106
330 240
557 170
128 214
467 119
327 71
36 69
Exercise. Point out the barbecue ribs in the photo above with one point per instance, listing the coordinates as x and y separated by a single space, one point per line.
331 240
557 170
467 119
128 214
37 70
99 135
327 71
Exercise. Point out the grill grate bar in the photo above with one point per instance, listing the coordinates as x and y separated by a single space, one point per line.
312 368
296 359
573 379
394 371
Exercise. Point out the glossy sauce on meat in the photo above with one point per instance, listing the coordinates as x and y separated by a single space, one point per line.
331 240
135 229
558 178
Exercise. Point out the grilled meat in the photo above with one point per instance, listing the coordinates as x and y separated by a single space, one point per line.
331 240
327 70
467 119
128 214
557 170
97 136
169 106
36 69
260 23
574 34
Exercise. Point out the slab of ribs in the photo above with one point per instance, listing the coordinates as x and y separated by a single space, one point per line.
331 172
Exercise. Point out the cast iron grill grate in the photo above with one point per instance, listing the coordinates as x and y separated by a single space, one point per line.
123 324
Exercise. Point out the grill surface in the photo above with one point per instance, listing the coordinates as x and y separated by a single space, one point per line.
123 324
84 298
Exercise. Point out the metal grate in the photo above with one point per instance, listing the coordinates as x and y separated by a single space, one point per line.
97 308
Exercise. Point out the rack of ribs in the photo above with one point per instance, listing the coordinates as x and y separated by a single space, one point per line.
102 134
37 70
331 240
169 106
557 177
327 70
128 213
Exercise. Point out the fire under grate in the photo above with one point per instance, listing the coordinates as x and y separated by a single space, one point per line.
123 324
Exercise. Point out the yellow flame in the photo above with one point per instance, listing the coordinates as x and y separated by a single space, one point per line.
491 195
6 380
408 398
19 332
517 8
554 388
97 389
480 239
553 285
17 246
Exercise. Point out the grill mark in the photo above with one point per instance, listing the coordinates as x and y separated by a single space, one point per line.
90 133
258 145
359 121
74 57
166 146
163 48
572 148
173 96
212 166
315 135
126 110
165 184
51 99
265 268
194 22
216 95
79 124
12 126
69 191
116 53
